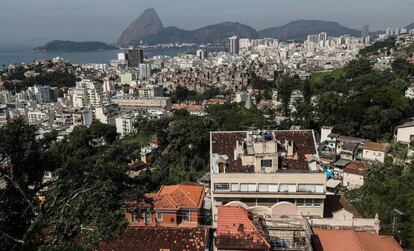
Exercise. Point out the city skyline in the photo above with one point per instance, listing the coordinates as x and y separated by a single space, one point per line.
47 20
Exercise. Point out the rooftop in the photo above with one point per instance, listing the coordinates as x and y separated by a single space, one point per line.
349 240
334 203
224 144
159 238
356 167
236 229
374 146
186 195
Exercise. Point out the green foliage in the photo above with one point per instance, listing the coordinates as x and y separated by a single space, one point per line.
388 187
384 45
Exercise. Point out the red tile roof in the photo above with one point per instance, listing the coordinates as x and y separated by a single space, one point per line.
356 167
159 238
178 196
374 146
236 230
349 240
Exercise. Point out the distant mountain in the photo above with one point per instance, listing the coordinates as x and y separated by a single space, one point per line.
149 29
410 26
216 33
71 46
148 23
300 29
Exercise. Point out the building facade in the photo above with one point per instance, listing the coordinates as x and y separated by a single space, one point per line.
262 169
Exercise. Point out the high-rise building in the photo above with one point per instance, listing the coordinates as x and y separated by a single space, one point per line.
87 93
135 57
144 71
365 33
234 45
201 54
42 93
323 36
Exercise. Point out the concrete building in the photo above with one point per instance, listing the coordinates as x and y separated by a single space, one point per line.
261 169
131 103
42 93
87 93
107 113
404 132
125 124
353 176
135 57
234 45
150 91
144 71
202 54
373 151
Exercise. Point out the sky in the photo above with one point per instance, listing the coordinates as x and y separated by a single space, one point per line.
39 21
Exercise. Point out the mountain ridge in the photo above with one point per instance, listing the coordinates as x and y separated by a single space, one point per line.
156 33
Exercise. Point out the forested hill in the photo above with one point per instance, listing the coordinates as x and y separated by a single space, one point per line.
71 46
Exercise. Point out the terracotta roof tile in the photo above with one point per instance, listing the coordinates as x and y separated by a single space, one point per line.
374 146
349 240
356 167
159 238
237 230
178 196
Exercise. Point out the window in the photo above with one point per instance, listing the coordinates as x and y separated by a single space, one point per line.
148 219
136 216
272 188
185 215
300 202
221 187
248 187
235 187
160 216
288 188
317 203
308 203
319 188
263 188
266 162
306 188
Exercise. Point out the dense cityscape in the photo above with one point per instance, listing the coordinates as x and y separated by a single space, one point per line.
245 144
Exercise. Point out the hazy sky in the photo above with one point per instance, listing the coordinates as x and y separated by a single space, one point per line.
37 21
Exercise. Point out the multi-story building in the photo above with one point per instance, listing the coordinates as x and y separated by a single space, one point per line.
87 93
234 45
107 113
144 71
201 54
135 57
41 93
150 91
131 103
125 124
262 169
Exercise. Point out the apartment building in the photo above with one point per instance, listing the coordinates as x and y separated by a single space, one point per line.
263 168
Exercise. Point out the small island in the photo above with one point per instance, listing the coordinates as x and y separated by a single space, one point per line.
72 46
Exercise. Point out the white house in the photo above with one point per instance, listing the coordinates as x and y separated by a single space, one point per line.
353 176
373 151
403 132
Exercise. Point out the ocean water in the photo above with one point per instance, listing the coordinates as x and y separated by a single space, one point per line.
10 54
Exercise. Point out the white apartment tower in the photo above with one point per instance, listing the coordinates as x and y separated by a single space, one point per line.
87 93
234 45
